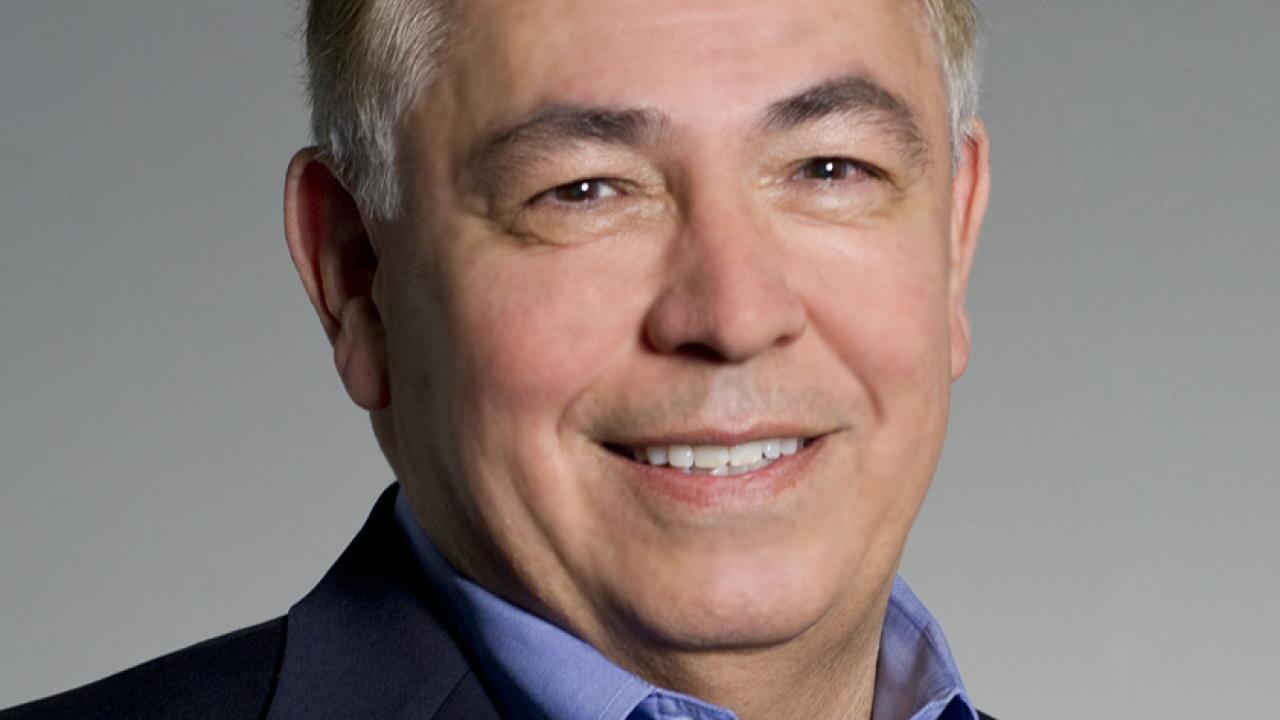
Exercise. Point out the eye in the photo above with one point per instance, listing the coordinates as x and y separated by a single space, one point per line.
579 192
834 169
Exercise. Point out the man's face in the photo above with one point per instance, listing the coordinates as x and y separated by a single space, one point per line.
642 226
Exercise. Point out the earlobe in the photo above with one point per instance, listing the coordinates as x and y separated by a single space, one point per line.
330 247
360 354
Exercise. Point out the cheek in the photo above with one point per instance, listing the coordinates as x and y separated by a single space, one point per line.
534 330
537 326
881 305
887 321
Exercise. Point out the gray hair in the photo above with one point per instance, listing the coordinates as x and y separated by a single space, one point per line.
368 61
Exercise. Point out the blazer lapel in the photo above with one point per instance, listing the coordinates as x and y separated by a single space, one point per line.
366 641
468 701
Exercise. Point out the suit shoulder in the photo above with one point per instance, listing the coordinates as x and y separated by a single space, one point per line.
230 676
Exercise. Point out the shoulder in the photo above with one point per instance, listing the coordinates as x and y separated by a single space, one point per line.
230 676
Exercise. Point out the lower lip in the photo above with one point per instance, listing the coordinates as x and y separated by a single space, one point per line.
759 488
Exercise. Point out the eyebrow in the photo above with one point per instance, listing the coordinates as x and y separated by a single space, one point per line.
553 126
850 96
507 147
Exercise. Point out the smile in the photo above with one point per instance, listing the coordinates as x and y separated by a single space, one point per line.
713 460
719 460
742 474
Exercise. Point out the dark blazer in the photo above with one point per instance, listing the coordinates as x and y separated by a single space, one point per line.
365 643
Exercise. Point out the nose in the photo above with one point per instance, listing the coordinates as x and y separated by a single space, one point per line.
727 298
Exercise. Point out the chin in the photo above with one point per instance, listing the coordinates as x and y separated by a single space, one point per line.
733 604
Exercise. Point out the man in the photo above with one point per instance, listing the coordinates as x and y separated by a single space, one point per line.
655 306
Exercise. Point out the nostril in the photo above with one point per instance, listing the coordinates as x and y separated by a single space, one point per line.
700 351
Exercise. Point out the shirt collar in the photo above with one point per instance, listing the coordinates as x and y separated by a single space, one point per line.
916 676
537 670
534 669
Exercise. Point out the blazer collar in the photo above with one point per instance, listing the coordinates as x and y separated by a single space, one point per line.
367 642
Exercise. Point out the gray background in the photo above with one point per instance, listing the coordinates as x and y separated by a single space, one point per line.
177 458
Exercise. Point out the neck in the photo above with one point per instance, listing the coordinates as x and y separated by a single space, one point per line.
828 673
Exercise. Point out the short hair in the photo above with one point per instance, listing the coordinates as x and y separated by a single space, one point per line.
368 62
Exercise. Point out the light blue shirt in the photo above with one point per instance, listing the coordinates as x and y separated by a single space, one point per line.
537 671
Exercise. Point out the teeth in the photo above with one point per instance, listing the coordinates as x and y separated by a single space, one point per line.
680 456
719 460
657 455
745 454
709 457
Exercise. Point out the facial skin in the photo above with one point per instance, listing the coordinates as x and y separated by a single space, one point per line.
648 222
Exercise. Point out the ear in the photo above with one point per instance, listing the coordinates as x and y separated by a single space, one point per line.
330 247
970 190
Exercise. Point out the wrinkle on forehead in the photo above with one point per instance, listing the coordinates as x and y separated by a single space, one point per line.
720 66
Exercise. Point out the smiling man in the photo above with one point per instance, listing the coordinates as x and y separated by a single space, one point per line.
655 306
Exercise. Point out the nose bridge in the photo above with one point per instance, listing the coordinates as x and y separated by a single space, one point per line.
727 294
728 251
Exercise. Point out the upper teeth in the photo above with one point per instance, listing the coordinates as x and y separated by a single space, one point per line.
719 459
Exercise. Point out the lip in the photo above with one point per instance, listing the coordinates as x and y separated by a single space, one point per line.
718 436
757 489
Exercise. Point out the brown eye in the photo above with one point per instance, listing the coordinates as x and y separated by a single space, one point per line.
580 192
832 169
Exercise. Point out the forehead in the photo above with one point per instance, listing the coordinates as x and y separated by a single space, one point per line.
708 63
